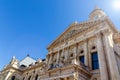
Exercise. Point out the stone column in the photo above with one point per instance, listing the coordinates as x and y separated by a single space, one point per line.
75 51
75 54
86 52
50 60
108 41
67 54
101 57
32 76
58 56
63 51
8 75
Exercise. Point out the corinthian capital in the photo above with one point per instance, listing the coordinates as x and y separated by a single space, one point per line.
106 32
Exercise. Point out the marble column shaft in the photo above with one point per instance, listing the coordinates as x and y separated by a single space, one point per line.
67 54
86 52
114 72
8 75
75 50
50 60
101 57
58 56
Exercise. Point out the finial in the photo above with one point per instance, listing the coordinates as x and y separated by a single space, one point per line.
28 55
13 57
76 22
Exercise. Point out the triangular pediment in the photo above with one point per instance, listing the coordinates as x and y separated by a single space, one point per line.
80 27
72 29
64 34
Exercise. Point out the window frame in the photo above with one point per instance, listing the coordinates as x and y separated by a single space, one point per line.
95 61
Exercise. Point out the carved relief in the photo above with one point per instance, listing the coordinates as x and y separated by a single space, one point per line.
92 45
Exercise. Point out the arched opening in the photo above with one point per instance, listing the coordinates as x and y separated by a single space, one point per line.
13 78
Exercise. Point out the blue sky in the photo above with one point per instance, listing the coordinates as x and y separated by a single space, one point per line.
29 26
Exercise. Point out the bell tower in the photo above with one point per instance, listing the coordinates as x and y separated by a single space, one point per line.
97 13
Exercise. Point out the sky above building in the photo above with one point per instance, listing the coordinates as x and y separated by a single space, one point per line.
29 26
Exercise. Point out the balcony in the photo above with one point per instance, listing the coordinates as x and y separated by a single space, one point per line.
63 70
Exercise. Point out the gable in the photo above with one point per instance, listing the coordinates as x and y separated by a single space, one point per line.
65 33
77 28
27 61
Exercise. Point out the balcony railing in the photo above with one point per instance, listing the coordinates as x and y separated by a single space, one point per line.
61 70
67 63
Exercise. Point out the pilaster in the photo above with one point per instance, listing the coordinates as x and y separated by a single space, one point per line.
8 75
75 50
101 57
86 52
67 53
58 55
108 41
50 59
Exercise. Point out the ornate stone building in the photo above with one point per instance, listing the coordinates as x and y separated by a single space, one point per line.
88 50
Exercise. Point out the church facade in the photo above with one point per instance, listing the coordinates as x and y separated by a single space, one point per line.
87 50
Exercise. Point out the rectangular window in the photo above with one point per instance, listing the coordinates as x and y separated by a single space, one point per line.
81 58
95 63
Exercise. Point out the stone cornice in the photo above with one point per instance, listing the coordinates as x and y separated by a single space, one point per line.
23 70
10 67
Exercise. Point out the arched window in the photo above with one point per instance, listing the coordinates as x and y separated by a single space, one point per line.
13 78
36 77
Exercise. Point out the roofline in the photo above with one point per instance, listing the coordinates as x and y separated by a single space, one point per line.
61 34
112 25
26 57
